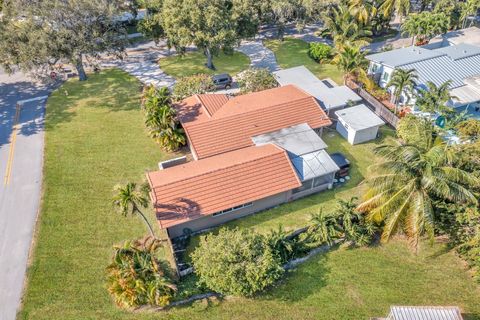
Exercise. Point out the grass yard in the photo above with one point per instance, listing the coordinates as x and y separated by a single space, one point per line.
95 138
294 52
194 63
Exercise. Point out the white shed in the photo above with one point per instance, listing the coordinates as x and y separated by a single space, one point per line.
358 124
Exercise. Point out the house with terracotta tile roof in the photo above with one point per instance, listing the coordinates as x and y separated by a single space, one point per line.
251 152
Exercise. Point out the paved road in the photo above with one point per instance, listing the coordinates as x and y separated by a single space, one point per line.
21 156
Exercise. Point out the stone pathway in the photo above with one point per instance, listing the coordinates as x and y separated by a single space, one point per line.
260 56
141 63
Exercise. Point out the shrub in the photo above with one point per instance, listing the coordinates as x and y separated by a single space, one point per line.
196 84
236 262
469 129
136 277
253 80
319 51
160 118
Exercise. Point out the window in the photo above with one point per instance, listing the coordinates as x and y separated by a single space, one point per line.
306 185
374 68
322 180
248 204
385 76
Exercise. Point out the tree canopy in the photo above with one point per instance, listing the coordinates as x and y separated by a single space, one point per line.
51 33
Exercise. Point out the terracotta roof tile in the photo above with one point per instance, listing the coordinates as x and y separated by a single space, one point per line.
212 102
203 187
199 107
219 135
259 100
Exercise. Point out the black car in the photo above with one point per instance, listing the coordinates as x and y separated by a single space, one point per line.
222 81
343 163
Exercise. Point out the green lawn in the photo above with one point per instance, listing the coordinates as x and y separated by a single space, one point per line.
95 138
294 52
194 62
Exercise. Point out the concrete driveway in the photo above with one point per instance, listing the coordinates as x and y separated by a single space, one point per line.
21 157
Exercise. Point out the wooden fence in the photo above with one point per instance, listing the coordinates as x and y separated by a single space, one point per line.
379 108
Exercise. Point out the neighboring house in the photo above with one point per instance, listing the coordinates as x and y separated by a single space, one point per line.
423 313
252 152
330 96
468 35
358 124
459 63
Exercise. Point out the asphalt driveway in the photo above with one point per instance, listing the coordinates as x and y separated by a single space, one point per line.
21 157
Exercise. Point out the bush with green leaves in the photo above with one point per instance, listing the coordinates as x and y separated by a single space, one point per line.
136 277
190 85
320 51
160 118
236 262
254 79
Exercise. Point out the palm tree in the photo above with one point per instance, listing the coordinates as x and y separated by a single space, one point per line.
403 81
362 10
400 7
351 60
136 277
129 198
468 8
412 26
434 98
343 29
401 193
324 228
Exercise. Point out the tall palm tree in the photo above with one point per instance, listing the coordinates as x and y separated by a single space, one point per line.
412 26
343 29
401 193
351 60
129 198
434 98
402 81
400 7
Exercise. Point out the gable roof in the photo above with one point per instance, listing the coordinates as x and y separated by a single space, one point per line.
424 313
199 107
220 182
403 56
444 68
241 118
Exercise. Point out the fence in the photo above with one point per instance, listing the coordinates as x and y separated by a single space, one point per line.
376 106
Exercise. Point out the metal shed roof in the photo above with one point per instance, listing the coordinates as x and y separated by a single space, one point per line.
329 97
424 313
359 117
313 164
298 140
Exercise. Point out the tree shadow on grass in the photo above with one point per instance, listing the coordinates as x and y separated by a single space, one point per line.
111 89
298 284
